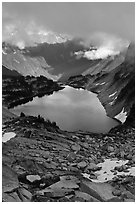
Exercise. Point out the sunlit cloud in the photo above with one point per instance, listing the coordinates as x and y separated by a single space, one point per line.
105 45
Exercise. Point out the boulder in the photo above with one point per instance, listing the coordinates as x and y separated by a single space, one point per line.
71 157
10 197
72 168
25 193
82 164
116 192
86 145
75 147
102 191
85 197
110 149
93 167
9 179
66 183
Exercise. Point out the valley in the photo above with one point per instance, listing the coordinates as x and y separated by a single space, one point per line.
46 162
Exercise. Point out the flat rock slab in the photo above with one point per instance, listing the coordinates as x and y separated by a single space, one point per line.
66 183
103 190
10 197
55 193
85 197
9 179
25 193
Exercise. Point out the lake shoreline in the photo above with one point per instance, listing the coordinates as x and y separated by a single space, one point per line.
72 109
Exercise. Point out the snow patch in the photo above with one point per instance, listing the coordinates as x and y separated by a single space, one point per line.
111 103
7 136
4 52
33 178
97 84
16 61
106 174
102 83
112 94
122 116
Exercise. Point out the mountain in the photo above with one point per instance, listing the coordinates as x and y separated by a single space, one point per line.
114 82
57 61
14 59
7 72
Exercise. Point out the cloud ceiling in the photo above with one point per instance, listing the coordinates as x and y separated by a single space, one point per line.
108 26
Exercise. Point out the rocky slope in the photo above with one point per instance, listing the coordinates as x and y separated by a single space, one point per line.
14 59
43 163
6 114
114 84
57 61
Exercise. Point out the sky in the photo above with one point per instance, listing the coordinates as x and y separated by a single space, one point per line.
104 23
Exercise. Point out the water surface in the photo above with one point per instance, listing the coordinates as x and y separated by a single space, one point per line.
72 109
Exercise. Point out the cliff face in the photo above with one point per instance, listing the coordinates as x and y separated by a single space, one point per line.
56 61
14 59
114 84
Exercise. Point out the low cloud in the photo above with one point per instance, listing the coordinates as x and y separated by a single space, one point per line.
101 53
105 45
26 24
22 33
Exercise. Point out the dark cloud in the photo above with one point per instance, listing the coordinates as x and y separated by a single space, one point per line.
73 18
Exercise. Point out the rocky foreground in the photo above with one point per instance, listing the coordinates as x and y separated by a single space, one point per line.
42 163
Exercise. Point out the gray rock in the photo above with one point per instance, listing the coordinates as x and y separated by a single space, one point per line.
86 145
25 193
82 164
75 147
9 179
86 197
71 157
110 149
11 197
116 192
71 168
93 167
128 195
66 183
46 154
129 200
129 156
102 191
56 193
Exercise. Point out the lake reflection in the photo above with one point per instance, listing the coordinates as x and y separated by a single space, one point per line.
72 109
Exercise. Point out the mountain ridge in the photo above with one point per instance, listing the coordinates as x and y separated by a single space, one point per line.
115 87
